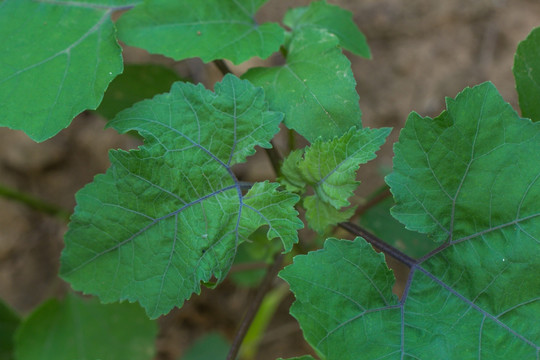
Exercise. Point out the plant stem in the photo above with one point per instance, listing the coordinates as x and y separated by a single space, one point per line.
35 203
261 321
254 306
222 66
378 243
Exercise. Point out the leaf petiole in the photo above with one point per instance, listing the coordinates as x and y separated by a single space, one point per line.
378 243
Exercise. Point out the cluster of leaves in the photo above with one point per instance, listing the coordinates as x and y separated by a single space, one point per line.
171 215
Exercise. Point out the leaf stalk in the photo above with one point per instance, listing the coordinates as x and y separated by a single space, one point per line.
379 244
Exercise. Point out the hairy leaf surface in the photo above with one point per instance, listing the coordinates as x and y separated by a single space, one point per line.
336 20
527 74
329 167
56 60
471 177
339 291
211 29
315 88
171 214
76 328
477 161
291 177
320 215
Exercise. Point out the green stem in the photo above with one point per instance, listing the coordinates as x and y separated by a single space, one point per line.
261 321
254 306
34 203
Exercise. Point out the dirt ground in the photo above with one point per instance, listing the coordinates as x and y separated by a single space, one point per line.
422 52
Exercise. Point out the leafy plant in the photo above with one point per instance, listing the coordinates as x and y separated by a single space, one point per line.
172 215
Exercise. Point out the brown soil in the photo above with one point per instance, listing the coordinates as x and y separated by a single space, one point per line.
422 51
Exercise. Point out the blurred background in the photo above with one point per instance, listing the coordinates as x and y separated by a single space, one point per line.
422 52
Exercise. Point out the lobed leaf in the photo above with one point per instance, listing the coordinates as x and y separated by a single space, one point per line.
170 215
339 291
76 328
527 74
315 88
334 19
213 29
329 167
291 177
452 174
56 61
320 215
471 177
264 205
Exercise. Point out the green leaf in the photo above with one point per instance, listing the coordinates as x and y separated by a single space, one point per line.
291 176
56 61
527 74
329 167
320 215
117 4
213 29
304 357
81 329
136 83
338 290
264 205
336 20
470 176
315 88
170 215
210 346
9 322
465 161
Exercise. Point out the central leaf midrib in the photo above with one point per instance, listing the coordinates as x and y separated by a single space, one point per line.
154 222
348 158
